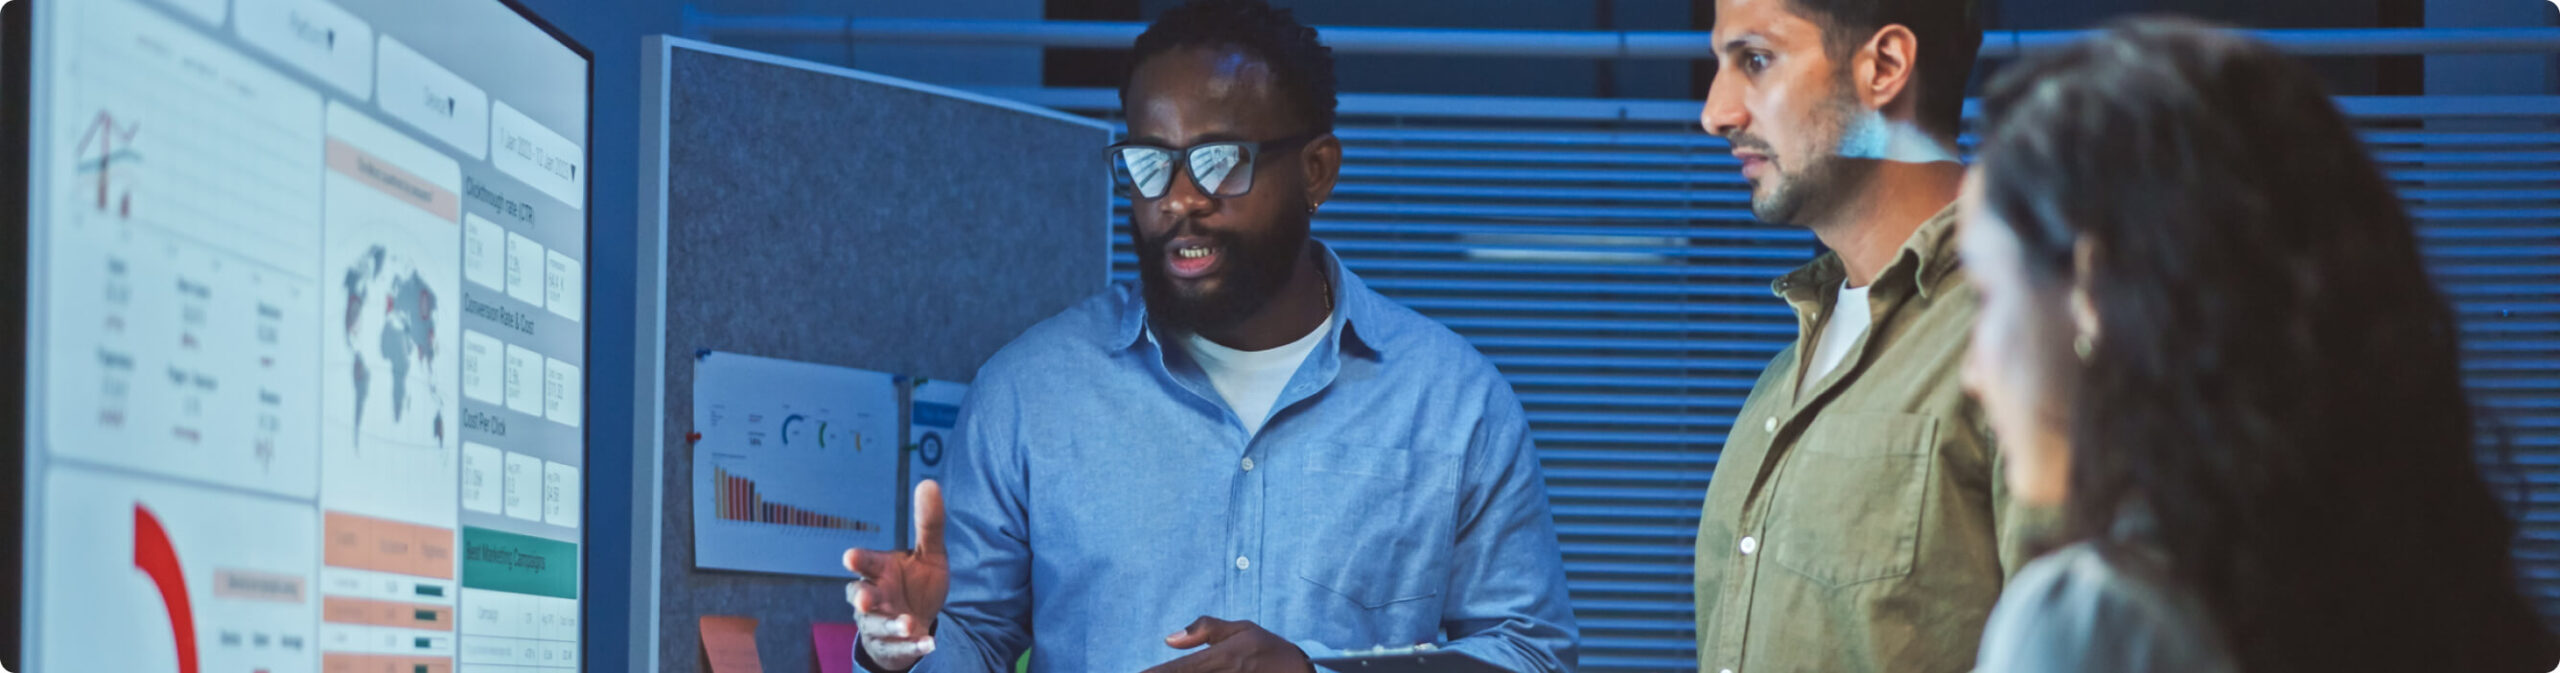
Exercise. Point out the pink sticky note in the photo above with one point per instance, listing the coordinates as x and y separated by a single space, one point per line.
835 642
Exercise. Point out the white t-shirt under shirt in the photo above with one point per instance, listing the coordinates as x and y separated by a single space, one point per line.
1832 345
1251 380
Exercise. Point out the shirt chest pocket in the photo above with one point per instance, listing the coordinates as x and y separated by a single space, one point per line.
1376 523
1847 508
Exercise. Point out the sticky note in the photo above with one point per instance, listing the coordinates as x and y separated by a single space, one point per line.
835 642
730 644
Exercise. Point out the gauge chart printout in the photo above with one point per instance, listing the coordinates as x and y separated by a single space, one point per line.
795 462
930 425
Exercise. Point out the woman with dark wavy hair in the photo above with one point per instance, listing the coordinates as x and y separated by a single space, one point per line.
2206 333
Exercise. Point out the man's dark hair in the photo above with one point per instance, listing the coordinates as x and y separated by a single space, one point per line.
1950 34
1300 65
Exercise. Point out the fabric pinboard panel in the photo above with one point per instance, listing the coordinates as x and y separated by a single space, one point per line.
826 215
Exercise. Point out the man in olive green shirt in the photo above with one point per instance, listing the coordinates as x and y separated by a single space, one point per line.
1857 520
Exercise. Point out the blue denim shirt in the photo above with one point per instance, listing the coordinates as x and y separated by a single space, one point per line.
1102 496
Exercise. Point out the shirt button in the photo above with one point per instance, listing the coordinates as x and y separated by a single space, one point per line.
1770 425
1750 545
1248 464
1243 563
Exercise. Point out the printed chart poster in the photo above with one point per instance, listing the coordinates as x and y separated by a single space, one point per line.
796 462
936 412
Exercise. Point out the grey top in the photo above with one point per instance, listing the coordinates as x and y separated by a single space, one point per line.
2078 610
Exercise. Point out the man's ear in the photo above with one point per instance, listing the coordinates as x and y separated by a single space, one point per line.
1884 67
1322 161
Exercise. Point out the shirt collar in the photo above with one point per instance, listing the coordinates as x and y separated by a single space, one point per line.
1925 260
1357 329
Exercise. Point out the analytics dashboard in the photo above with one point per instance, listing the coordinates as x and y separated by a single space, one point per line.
305 345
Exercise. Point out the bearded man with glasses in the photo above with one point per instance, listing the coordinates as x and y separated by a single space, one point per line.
1248 449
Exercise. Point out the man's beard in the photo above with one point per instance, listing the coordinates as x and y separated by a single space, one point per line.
1256 267
1806 195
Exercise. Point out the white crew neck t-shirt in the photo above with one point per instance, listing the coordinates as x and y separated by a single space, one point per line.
1832 345
1251 380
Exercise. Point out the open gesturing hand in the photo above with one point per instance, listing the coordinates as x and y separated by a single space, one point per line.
899 593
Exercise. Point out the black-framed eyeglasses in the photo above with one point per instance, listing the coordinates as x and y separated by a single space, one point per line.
1219 169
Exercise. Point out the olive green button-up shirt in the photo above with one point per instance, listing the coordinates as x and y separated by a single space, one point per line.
1863 526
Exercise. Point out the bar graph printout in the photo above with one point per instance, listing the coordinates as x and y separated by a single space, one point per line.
794 462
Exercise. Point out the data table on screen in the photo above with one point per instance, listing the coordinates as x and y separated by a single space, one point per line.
307 304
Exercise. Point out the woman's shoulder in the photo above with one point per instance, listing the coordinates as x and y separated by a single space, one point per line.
2085 607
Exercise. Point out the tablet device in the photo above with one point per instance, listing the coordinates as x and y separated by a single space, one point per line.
1406 660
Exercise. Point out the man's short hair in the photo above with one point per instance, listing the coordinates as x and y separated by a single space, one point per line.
1950 34
1300 65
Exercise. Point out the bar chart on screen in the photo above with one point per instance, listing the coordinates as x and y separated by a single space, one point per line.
797 462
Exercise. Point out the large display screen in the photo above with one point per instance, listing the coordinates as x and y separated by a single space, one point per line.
304 338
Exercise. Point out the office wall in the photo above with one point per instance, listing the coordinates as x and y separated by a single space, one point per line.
825 215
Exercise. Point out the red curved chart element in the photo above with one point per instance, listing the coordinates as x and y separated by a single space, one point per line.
157 558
